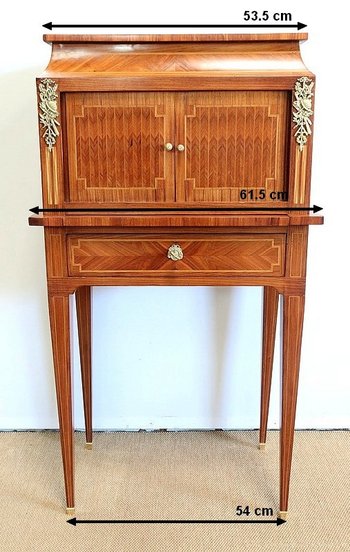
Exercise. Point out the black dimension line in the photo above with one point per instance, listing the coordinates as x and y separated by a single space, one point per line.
75 521
51 26
37 210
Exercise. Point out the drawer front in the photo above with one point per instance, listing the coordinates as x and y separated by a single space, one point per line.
241 254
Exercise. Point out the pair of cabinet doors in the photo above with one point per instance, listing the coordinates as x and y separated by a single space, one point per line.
117 146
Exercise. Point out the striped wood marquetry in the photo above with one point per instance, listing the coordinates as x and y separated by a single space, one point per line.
233 140
84 322
116 147
169 54
60 339
270 311
188 219
240 254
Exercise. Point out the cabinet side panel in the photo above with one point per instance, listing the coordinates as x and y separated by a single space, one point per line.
50 133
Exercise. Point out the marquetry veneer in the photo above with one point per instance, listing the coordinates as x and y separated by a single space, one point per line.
101 255
162 133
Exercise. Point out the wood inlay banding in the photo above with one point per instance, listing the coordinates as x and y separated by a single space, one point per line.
101 255
51 176
233 140
116 144
300 175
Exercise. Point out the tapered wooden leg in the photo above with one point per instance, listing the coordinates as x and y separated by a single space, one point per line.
83 302
268 345
293 317
60 336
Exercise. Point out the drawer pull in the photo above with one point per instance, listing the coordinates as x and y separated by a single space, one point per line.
169 146
175 252
180 147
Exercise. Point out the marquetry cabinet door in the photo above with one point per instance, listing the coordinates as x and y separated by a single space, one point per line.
115 148
149 148
231 141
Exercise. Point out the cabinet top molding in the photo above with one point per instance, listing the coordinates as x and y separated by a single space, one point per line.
197 55
127 38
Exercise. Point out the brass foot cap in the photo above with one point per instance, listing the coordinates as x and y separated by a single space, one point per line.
70 511
88 446
282 515
262 446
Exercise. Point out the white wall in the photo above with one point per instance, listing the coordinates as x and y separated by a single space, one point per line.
171 357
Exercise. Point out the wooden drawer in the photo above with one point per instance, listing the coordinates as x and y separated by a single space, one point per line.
241 254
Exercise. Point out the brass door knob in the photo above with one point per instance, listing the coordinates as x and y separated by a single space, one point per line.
169 146
180 147
175 252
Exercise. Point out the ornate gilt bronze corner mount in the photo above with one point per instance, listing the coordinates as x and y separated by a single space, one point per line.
48 114
303 110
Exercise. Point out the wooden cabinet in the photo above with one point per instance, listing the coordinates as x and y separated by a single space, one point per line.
183 148
164 158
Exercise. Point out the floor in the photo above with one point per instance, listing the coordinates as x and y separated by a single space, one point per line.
174 475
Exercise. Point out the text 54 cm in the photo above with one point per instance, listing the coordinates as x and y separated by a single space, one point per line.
246 511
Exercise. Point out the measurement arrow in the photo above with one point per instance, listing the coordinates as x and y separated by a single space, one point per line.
75 521
51 26
37 210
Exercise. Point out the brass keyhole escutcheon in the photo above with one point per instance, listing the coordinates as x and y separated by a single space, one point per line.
175 252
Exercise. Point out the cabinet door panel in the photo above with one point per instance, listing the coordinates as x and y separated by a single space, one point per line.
232 140
115 147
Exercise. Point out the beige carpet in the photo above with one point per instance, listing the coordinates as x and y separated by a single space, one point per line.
187 475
